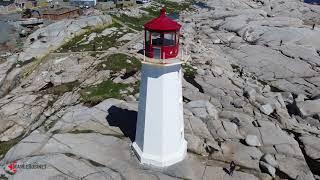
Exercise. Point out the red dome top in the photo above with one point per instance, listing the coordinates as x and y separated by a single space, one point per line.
162 23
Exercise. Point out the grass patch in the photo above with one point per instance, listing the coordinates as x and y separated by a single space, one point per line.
61 89
99 43
6 146
136 87
107 89
49 125
153 11
135 23
117 62
189 71
31 65
173 7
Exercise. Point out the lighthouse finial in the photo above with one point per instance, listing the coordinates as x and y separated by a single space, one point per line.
163 11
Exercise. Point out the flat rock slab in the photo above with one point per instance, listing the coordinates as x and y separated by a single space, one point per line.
90 156
309 108
218 173
312 147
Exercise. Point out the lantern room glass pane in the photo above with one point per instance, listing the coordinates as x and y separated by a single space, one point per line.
147 36
156 39
169 39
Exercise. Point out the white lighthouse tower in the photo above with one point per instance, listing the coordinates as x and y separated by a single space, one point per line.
160 128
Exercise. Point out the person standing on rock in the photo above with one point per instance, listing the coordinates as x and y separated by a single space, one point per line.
313 26
241 72
232 168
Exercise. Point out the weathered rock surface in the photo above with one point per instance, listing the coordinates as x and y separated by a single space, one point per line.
252 140
54 35
309 108
269 159
311 147
268 168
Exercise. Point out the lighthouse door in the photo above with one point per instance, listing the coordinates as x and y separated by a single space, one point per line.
157 52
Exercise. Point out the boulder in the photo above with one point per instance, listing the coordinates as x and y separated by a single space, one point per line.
195 144
252 140
269 159
267 168
246 156
250 92
267 109
294 168
203 109
309 107
311 147
218 173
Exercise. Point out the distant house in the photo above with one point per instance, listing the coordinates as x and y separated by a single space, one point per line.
124 3
105 5
5 2
25 3
83 3
142 1
58 3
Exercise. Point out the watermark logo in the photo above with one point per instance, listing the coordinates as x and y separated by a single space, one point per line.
14 166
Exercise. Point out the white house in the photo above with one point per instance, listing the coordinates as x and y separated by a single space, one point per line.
89 3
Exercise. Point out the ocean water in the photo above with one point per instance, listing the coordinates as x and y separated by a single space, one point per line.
5 30
312 1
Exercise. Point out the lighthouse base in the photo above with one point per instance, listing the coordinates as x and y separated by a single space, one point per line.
159 161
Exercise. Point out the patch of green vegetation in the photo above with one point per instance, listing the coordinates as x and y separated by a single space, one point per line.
6 146
189 71
61 89
136 88
31 65
152 10
19 44
99 43
117 62
134 22
173 7
48 126
107 89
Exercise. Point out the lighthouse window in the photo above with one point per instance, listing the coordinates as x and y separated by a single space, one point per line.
147 37
169 39
156 39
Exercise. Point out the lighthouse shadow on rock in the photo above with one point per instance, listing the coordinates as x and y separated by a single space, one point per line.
159 137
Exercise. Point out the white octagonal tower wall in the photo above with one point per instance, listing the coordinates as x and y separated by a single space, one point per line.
160 128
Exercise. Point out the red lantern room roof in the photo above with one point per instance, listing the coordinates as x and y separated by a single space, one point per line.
162 23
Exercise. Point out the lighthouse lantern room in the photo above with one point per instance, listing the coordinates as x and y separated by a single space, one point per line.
162 37
159 139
